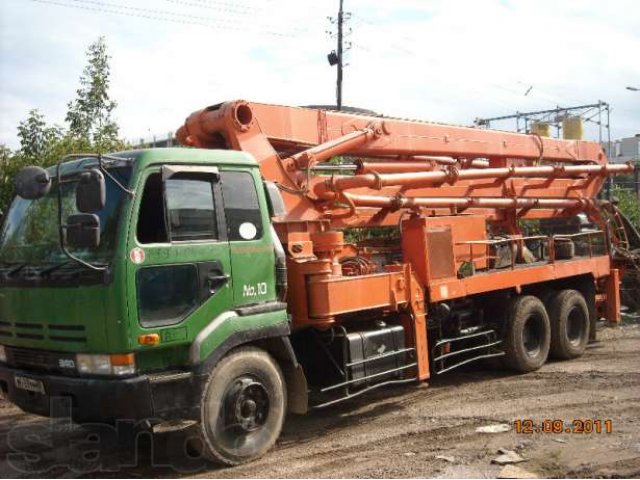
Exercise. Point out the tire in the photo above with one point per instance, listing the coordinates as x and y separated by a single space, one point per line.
527 335
570 324
243 407
545 296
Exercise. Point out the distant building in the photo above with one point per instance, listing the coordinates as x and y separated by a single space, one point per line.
624 150
156 141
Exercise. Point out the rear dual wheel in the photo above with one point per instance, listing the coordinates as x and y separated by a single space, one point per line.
534 332
569 315
528 334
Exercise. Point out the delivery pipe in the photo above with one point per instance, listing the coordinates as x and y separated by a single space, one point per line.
374 201
453 175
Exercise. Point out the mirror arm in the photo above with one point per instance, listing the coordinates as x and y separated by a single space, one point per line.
100 158
61 228
115 180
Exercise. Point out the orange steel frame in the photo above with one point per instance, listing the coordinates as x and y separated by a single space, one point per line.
427 170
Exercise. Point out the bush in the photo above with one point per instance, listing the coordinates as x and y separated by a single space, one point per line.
629 205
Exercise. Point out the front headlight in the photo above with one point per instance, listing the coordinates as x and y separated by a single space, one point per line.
3 354
103 364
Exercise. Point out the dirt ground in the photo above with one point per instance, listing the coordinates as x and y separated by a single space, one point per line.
398 432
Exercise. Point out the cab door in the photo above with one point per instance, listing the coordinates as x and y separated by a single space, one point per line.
179 254
250 241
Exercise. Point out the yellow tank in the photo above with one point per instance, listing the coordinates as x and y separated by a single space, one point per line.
572 128
541 128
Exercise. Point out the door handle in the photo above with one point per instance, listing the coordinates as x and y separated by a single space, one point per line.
215 280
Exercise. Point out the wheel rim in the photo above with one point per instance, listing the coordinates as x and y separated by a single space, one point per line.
533 335
575 326
244 412
246 405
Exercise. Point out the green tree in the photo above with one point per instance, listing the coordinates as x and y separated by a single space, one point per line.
89 115
6 174
90 127
36 138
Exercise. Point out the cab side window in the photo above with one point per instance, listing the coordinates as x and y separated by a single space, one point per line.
241 206
190 209
182 209
151 220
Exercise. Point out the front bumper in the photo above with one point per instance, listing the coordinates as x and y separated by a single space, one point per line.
158 397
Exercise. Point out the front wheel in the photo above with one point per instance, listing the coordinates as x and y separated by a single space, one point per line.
243 407
528 334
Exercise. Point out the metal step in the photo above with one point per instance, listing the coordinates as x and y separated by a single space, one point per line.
450 353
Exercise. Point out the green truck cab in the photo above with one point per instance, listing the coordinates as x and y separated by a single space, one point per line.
161 300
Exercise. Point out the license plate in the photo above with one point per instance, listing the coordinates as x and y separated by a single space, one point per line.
29 384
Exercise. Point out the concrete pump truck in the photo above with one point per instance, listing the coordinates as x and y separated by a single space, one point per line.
290 258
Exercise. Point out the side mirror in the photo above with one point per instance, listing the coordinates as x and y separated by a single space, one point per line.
32 183
83 231
91 192
274 199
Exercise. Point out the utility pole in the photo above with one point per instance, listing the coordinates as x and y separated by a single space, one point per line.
340 63
336 57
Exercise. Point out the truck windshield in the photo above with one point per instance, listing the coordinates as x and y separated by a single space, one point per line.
30 236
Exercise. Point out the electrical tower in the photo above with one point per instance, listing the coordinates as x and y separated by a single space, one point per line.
596 113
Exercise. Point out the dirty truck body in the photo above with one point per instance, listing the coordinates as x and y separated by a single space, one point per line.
295 258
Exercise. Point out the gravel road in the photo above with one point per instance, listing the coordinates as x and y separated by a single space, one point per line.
425 431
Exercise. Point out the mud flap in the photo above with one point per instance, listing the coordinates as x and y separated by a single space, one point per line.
297 389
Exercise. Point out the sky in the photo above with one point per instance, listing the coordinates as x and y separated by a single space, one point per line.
439 60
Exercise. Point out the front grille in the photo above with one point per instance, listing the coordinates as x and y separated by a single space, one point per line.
31 336
75 328
25 358
58 332
30 359
37 326
61 338
5 329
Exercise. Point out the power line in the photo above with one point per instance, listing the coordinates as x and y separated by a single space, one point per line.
167 13
159 15
223 7
420 55
206 3
455 83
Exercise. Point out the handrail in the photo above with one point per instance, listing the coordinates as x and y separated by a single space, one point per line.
504 240
550 239
572 235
